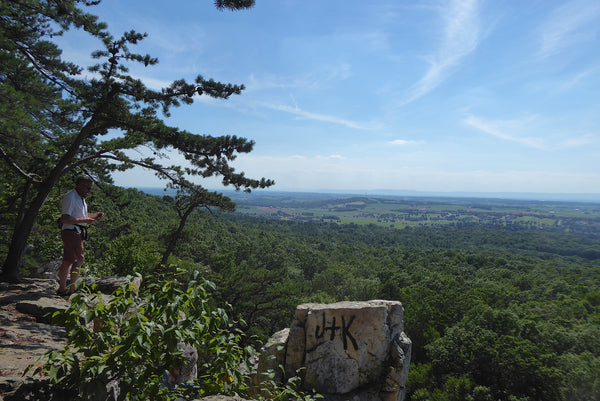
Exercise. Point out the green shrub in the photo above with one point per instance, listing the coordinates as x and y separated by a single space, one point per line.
136 341
130 254
132 342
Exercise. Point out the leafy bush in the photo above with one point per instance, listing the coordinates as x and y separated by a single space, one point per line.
130 254
132 340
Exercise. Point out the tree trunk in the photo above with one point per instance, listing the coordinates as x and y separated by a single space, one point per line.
10 269
174 238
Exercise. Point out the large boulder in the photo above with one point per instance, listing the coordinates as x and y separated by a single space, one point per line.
48 270
345 348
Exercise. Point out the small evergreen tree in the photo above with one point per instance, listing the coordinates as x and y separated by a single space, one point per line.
54 123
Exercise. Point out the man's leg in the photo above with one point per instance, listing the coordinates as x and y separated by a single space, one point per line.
72 259
63 273
74 275
80 257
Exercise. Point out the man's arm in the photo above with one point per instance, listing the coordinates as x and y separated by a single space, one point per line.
96 216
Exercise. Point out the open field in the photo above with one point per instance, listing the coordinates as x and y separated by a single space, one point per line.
399 212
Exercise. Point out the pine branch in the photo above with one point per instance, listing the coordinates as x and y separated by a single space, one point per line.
11 163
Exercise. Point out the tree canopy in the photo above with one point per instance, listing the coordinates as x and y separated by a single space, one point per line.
55 123
494 312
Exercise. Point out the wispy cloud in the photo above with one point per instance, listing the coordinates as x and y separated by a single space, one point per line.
579 79
154 83
577 142
402 142
271 81
461 37
335 157
509 130
315 79
499 130
570 23
316 116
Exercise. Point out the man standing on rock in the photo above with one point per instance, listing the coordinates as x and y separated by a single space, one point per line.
74 218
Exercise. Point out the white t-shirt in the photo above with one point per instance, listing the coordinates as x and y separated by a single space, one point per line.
75 206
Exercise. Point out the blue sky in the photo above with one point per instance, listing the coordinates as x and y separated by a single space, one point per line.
476 96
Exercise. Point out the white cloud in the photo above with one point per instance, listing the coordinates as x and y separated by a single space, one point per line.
154 83
570 23
319 173
318 117
402 142
578 79
460 38
499 130
271 81
577 142
299 173
510 130
310 80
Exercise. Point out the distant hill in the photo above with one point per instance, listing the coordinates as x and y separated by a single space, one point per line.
589 197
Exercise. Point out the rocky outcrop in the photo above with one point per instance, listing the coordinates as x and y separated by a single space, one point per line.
26 333
344 351
47 270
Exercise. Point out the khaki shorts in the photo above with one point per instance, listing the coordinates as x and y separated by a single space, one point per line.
72 246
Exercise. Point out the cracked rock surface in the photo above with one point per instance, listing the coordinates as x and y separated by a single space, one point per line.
25 330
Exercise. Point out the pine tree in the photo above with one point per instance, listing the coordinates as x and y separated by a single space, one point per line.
54 123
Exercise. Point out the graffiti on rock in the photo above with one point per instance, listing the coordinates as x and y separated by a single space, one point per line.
344 331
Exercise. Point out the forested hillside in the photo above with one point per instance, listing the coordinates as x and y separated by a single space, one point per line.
494 313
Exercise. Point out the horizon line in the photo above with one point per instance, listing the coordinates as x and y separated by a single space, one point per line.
593 197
